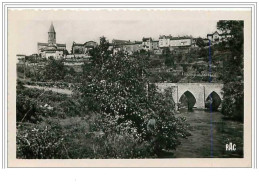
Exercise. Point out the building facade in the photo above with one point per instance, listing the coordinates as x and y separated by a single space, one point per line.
89 45
164 41
180 42
217 37
127 46
82 49
171 42
149 44
214 37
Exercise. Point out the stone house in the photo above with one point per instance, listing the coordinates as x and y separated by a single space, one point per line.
217 37
128 46
180 42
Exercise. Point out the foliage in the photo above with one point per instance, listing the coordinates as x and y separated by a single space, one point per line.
54 70
169 58
179 57
204 53
168 128
185 67
32 58
117 140
33 105
27 109
200 42
233 102
41 143
117 85
232 71
170 77
72 107
111 81
156 63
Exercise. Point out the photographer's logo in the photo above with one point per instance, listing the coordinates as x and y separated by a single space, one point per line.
231 147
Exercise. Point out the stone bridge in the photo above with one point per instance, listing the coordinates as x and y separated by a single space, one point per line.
198 93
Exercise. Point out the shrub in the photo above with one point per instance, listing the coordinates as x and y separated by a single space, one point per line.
32 105
41 143
54 70
117 140
27 108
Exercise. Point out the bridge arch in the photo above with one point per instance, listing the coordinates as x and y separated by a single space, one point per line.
195 89
214 88
213 101
187 100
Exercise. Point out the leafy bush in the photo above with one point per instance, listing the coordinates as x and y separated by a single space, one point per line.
73 107
32 105
27 109
54 70
117 140
233 103
169 77
41 143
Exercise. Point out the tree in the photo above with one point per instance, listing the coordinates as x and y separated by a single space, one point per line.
169 58
233 68
203 53
55 70
200 42
116 86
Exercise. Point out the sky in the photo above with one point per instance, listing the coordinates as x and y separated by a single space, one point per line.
26 28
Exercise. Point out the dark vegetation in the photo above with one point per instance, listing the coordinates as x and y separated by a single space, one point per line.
232 72
114 113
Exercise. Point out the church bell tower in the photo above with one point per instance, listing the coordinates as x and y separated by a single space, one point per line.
52 35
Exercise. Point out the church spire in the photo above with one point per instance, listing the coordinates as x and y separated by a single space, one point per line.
52 35
51 28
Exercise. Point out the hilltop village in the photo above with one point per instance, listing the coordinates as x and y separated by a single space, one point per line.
81 50
174 58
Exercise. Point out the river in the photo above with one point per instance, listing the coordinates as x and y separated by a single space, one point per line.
204 144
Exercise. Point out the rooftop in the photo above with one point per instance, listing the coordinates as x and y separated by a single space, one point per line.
166 37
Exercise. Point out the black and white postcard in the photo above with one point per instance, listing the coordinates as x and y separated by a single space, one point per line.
129 87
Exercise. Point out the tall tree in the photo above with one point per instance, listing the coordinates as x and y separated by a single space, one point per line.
116 84
169 58
233 68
